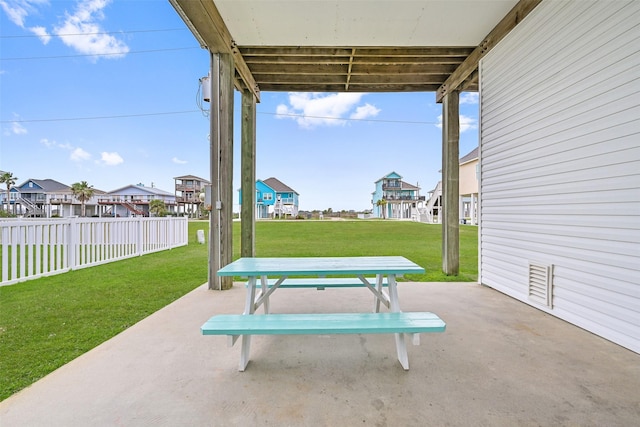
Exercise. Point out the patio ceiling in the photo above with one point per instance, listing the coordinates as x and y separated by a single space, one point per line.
338 46
353 46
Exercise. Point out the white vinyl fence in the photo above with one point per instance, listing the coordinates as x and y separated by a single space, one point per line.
33 248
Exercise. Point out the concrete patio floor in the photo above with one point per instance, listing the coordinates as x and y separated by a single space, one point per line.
500 363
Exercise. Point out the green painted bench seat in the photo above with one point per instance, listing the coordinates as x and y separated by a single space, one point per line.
321 283
321 323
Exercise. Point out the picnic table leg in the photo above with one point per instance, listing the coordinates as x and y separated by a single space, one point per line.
249 309
244 354
265 287
250 303
401 345
379 278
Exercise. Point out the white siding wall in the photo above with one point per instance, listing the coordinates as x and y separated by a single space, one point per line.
560 162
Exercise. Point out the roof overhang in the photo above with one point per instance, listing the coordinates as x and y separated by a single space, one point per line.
353 46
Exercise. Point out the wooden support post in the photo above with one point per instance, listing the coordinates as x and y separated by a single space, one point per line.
227 74
214 162
221 162
248 175
450 183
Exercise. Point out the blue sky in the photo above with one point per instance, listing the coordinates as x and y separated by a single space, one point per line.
107 92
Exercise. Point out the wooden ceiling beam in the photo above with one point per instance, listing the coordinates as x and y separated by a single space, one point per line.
399 60
471 84
346 85
205 22
385 69
299 69
353 69
295 79
508 23
435 79
384 60
399 51
267 59
320 87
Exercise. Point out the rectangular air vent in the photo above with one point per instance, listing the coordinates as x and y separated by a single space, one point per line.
540 283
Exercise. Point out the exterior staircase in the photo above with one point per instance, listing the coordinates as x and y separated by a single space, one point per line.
433 204
32 209
280 209
131 208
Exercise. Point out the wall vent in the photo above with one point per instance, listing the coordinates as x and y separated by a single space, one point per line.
540 283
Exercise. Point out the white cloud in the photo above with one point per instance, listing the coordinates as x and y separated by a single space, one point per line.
178 161
82 27
54 144
364 111
18 129
42 34
466 123
79 155
469 98
111 159
18 10
47 143
317 109
15 127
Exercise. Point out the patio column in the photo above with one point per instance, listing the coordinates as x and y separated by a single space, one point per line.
248 175
221 164
450 183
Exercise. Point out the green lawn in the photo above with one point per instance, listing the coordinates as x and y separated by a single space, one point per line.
47 322
421 243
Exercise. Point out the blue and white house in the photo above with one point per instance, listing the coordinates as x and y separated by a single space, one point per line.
48 197
274 199
393 198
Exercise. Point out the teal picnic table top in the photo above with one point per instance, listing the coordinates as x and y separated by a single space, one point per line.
320 266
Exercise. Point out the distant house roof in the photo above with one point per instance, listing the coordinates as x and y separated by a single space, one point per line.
46 186
68 191
407 186
142 188
403 185
278 186
391 175
473 154
195 178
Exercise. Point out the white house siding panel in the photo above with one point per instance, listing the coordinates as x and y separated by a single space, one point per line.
560 163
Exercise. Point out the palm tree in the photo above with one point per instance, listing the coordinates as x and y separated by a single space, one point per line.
83 192
382 203
157 207
10 180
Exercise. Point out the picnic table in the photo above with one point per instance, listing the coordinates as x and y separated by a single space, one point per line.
266 275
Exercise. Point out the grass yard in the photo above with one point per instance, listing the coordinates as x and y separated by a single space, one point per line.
47 322
421 243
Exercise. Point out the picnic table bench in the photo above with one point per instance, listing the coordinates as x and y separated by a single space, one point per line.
385 269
